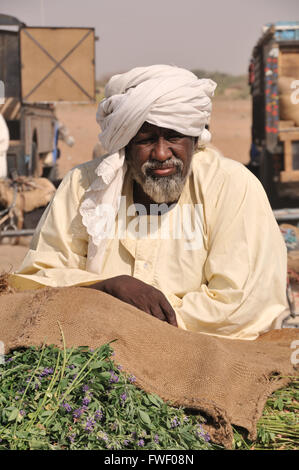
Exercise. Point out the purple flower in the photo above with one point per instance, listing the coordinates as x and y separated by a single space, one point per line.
175 422
22 412
71 437
85 388
113 377
126 442
202 434
132 379
98 414
140 443
67 407
156 439
123 397
89 426
47 371
86 400
77 413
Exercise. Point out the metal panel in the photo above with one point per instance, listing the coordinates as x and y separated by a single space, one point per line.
10 63
57 64
289 61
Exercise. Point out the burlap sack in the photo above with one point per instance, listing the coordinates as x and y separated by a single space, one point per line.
226 380
32 193
288 111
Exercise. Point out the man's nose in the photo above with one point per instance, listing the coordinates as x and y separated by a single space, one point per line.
161 150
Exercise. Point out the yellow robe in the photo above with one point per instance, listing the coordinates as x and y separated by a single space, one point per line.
231 282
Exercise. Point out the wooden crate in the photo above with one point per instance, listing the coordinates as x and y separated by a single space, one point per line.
289 174
57 64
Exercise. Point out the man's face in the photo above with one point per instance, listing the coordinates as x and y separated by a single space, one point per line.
160 160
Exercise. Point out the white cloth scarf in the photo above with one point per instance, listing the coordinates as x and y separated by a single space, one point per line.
163 95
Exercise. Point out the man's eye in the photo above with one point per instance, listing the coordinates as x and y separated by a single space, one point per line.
147 140
174 138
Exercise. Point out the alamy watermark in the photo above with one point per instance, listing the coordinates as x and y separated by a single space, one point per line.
2 92
177 222
295 94
295 354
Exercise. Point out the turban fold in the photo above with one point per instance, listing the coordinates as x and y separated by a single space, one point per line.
163 95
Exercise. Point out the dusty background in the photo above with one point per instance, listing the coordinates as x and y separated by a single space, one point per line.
230 128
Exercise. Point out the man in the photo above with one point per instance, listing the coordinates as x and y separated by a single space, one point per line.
210 259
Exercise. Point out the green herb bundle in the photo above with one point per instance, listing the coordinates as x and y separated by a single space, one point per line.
80 399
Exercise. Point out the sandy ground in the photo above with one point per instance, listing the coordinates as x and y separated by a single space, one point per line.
230 128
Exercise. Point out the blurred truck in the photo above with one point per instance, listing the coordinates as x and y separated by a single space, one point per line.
274 84
274 153
40 66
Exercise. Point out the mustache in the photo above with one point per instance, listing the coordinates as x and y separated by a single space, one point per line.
155 165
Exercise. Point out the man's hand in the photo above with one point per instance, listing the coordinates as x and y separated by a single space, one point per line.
140 295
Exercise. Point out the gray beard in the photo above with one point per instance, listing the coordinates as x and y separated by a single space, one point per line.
164 188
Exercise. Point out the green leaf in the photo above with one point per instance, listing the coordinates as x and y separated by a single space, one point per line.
104 376
35 444
97 365
146 401
144 417
13 414
155 400
44 414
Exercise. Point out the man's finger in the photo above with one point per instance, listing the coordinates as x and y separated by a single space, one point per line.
157 312
168 312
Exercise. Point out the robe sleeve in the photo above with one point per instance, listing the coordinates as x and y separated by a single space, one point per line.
57 254
246 265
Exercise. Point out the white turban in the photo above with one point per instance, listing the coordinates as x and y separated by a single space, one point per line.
163 95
